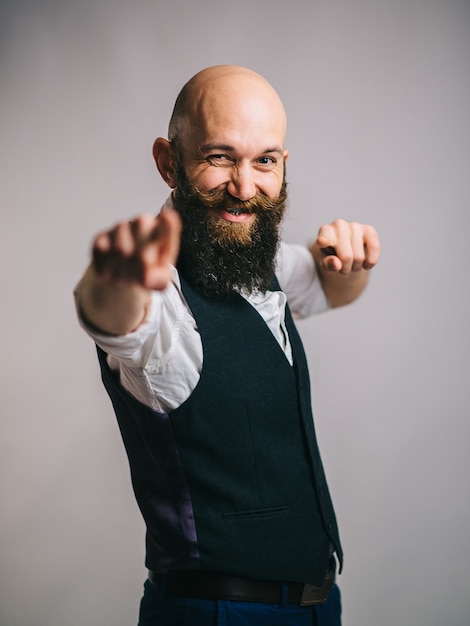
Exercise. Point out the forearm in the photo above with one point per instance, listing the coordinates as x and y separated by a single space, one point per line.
114 308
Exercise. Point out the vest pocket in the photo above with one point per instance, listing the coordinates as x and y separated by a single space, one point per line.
264 513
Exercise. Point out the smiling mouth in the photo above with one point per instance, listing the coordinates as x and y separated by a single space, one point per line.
238 212
236 215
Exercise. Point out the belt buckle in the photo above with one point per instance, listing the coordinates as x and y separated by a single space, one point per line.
312 594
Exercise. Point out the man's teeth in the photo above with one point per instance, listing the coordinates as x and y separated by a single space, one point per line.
236 211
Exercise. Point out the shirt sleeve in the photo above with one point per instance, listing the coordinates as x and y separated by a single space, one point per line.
160 362
133 348
299 279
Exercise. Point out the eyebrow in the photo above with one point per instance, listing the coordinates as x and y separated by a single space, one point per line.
227 148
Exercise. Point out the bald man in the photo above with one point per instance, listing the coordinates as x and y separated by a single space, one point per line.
192 314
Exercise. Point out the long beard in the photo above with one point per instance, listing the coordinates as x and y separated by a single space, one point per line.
222 258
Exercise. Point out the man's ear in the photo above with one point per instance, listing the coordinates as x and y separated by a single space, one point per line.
164 158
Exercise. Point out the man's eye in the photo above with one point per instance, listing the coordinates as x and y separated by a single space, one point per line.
266 160
219 158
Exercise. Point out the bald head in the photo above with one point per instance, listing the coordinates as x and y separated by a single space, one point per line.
227 131
227 95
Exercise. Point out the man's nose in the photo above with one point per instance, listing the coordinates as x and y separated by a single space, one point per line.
242 184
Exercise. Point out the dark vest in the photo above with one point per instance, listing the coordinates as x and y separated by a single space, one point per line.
232 479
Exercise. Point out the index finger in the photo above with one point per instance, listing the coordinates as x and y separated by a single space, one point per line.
327 239
161 249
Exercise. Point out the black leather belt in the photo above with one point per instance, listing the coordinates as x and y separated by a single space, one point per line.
216 586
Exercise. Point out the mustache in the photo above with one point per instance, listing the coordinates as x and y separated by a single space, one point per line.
220 199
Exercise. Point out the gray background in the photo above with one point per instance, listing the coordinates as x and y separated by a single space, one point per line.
378 100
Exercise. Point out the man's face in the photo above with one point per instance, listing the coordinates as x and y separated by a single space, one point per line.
222 256
233 143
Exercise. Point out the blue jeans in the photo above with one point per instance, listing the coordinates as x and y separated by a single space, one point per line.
159 609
